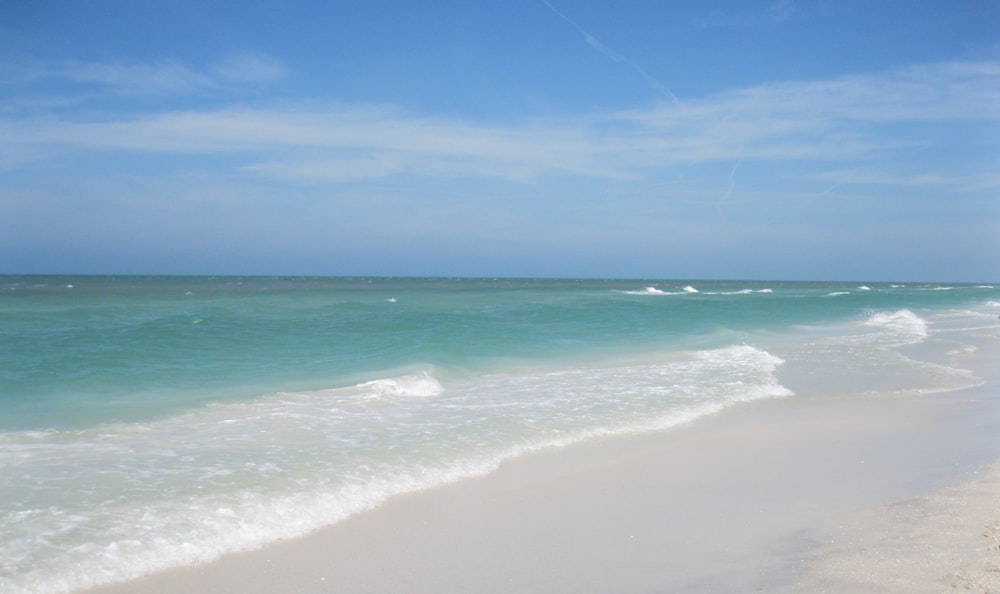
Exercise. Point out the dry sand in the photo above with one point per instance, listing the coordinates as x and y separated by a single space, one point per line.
793 495
948 541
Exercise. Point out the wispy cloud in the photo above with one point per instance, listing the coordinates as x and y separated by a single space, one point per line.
777 12
847 118
161 78
133 78
250 68
948 91
955 182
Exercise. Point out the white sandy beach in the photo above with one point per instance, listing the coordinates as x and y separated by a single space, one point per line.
948 541
855 494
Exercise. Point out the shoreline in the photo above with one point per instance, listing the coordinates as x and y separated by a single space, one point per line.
740 501
798 494
941 540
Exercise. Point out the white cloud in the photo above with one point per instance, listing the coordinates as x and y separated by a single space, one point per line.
949 91
845 118
161 78
330 170
250 68
879 177
437 147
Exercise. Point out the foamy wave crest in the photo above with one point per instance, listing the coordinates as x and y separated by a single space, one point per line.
739 292
749 368
419 385
903 325
838 293
642 397
654 291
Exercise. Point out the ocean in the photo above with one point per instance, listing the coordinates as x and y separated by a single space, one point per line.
151 422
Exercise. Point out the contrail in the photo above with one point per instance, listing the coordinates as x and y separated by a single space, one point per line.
729 191
613 55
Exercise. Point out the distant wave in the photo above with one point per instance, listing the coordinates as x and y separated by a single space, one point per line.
647 291
654 291
689 290
742 292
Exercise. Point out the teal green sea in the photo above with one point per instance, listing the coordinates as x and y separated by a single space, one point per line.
147 422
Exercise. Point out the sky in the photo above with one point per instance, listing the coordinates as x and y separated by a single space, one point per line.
770 139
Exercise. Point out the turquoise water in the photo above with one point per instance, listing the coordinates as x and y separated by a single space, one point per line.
147 422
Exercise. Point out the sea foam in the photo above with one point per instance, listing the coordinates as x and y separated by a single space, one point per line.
420 385
140 497
687 290
902 325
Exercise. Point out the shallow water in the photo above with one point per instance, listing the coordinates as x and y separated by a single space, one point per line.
157 421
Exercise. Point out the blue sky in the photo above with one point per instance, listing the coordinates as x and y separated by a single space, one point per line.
785 139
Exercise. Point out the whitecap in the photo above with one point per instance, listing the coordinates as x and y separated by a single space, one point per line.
647 291
418 385
655 291
902 324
